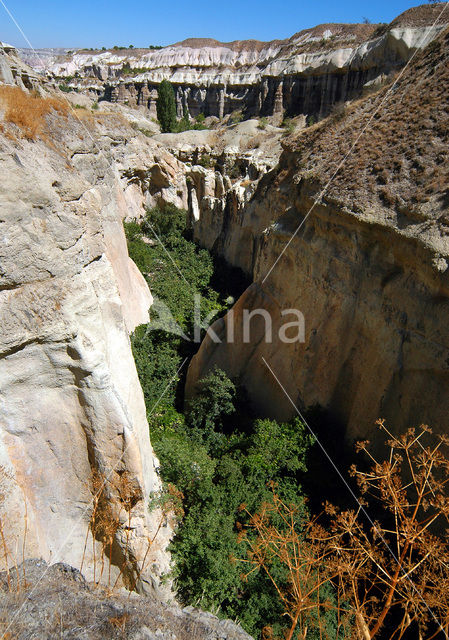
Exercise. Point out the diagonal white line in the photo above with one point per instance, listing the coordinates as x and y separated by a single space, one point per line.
20 29
166 250
80 519
362 508
362 132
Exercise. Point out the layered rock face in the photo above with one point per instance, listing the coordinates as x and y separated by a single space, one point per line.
73 428
305 74
222 170
13 71
361 249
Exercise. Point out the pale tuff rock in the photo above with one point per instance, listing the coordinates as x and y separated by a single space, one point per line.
222 169
305 74
13 70
365 264
376 339
71 407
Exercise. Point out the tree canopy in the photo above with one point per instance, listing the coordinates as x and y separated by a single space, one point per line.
166 107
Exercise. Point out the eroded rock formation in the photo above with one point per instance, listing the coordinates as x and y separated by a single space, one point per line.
368 267
72 414
366 262
13 71
306 74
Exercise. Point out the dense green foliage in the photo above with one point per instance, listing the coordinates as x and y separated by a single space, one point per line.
186 124
159 353
214 450
166 107
127 70
218 467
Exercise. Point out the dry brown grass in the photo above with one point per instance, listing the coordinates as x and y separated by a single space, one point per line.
113 501
27 111
421 16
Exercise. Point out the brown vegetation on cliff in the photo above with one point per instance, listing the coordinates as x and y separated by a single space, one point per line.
393 145
420 16
28 111
389 571
314 39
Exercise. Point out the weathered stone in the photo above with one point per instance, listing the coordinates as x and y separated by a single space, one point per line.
306 74
368 272
71 407
56 602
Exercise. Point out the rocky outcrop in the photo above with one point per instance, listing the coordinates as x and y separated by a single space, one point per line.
222 169
13 71
56 601
72 414
365 261
306 74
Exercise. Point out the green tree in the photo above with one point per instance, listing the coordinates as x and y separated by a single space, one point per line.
166 106
217 456
208 410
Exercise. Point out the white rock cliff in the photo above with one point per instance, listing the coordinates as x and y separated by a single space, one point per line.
72 412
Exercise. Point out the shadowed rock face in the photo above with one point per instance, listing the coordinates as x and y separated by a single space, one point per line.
368 268
306 74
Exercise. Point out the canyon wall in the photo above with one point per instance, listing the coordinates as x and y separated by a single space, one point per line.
368 269
296 83
365 261
73 425
305 74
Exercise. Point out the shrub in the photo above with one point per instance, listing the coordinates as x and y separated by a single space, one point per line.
380 30
166 107
206 161
146 132
207 411
310 120
277 547
289 126
388 579
236 116
184 123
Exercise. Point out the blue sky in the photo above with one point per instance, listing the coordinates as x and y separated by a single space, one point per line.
92 23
